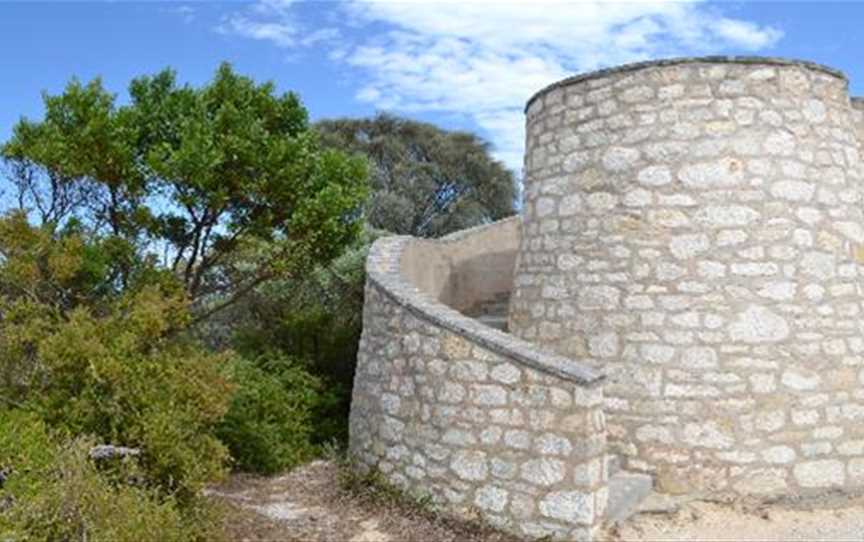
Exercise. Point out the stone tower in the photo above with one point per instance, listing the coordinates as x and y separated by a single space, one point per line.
693 228
685 298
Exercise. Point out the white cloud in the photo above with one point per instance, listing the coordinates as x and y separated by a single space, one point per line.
273 21
485 58
282 34
747 35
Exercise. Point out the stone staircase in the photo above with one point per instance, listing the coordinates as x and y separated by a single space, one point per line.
492 313
628 491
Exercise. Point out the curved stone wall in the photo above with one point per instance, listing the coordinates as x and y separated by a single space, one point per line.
694 228
858 117
477 419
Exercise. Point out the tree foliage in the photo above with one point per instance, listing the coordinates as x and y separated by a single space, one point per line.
124 237
317 318
425 181
190 174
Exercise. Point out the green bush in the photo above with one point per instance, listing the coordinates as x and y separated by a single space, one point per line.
79 368
55 491
270 422
122 377
316 317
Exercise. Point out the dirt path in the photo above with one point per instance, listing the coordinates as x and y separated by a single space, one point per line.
309 505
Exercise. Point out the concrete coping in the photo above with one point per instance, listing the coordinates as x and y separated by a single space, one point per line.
754 60
383 269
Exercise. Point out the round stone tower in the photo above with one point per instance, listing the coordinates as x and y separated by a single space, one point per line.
694 228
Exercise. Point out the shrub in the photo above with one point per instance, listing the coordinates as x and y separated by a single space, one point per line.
317 318
141 210
115 367
55 492
269 424
124 379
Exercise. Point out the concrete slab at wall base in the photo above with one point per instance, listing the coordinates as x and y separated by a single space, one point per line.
685 290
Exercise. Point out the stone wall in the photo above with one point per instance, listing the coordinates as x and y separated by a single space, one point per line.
480 421
693 228
858 118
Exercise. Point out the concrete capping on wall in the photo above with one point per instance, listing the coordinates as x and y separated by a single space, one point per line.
598 74
398 264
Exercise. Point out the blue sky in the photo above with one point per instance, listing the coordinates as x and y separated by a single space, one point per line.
467 65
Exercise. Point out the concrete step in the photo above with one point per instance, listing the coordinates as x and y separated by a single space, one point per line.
627 490
496 307
491 320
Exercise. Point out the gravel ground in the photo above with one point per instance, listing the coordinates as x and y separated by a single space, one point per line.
309 504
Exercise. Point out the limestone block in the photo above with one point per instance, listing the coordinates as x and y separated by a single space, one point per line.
820 474
570 506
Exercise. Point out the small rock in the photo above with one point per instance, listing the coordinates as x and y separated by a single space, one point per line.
108 451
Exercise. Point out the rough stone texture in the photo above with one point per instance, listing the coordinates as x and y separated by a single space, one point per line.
480 421
708 260
693 231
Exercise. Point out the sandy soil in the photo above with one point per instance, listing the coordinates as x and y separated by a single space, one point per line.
834 520
308 505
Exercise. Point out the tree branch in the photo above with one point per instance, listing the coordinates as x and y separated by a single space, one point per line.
237 296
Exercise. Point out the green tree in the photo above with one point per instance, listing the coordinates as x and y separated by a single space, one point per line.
189 175
125 236
425 181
